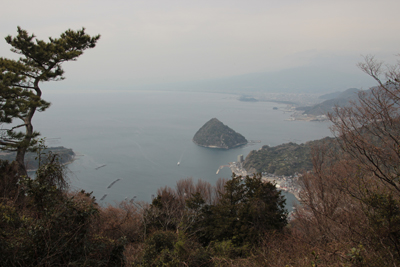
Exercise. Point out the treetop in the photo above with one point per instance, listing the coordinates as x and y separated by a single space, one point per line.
44 58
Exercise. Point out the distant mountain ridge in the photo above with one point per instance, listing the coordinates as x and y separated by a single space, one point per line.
307 79
215 134
340 94
334 99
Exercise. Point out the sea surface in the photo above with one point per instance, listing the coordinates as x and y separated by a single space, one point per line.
140 136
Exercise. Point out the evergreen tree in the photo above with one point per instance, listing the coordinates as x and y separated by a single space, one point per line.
20 94
247 209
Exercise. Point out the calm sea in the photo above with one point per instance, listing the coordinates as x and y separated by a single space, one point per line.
139 136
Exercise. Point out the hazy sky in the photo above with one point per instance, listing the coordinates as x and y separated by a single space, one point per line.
145 42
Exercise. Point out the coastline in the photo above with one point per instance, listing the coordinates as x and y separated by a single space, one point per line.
237 168
274 181
226 148
63 164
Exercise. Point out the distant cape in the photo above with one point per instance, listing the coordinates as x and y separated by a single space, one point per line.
215 134
65 156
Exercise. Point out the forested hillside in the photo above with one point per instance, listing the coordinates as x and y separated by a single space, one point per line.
285 159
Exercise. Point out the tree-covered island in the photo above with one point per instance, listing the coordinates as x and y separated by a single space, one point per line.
215 134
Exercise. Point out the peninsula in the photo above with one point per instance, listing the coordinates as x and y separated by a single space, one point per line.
65 156
215 134
285 159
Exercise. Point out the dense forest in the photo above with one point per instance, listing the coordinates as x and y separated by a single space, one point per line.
350 198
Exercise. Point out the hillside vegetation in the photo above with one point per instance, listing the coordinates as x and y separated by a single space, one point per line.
285 159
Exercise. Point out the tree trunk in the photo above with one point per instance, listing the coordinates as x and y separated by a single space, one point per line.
20 157
20 162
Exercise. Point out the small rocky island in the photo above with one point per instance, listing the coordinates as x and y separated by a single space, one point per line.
215 134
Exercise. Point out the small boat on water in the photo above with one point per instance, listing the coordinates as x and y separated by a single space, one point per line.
179 163
100 166
113 183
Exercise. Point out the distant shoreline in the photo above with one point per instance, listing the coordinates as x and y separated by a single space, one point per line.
63 164
241 144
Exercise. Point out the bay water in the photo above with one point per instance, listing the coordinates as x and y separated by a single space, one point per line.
140 136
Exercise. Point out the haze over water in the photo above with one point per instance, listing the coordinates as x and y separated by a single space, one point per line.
141 135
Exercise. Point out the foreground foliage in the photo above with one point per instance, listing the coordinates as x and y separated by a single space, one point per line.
228 222
352 199
42 225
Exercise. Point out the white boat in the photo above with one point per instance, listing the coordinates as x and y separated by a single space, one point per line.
178 163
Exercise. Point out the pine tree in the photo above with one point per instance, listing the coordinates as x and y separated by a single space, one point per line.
20 94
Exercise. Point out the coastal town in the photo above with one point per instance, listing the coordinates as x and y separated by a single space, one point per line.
294 102
283 182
